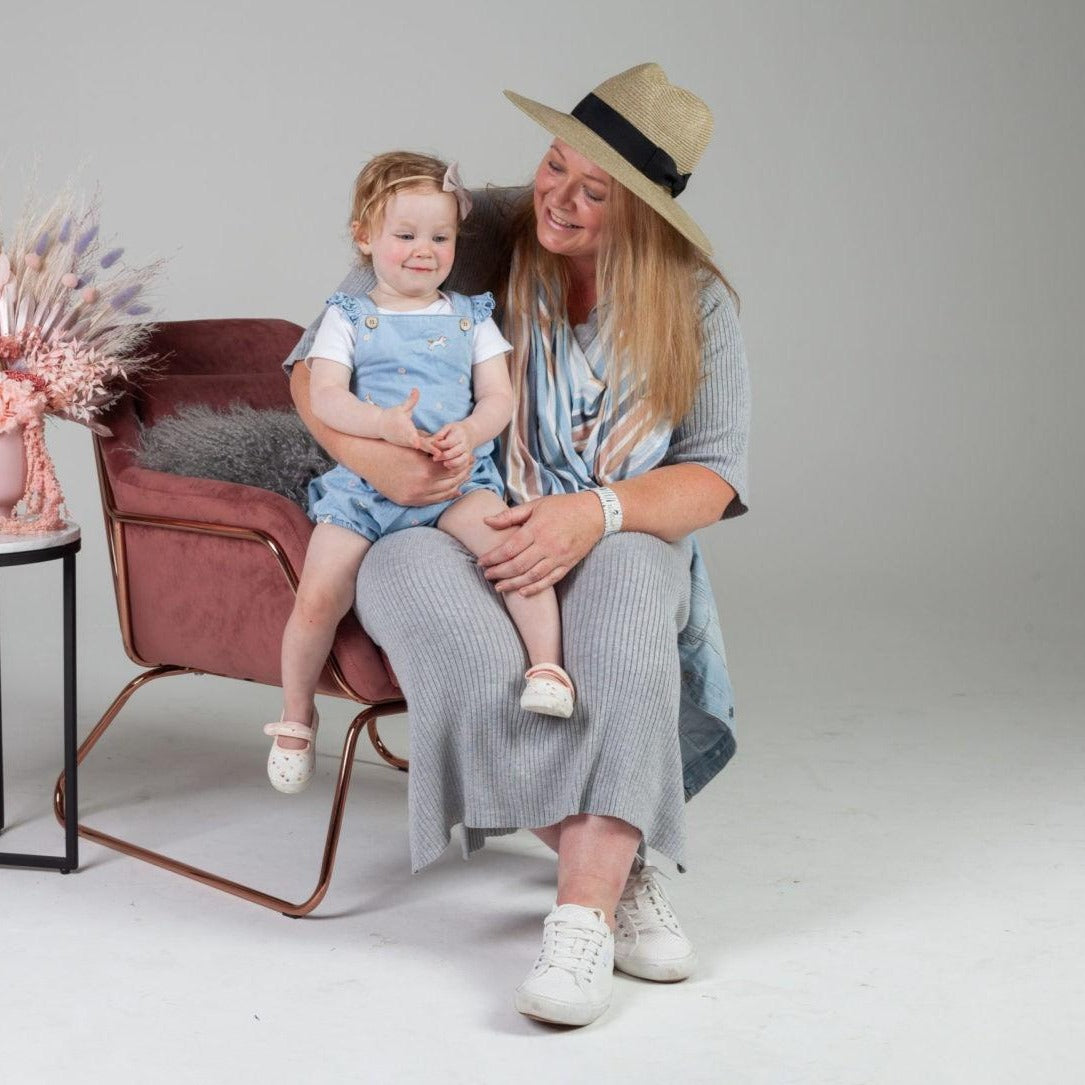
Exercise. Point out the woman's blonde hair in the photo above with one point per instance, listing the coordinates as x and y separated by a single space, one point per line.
379 180
649 280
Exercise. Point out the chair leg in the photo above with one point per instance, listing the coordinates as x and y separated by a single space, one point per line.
217 881
400 763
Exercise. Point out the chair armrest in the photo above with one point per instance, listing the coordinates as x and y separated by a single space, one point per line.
141 492
166 613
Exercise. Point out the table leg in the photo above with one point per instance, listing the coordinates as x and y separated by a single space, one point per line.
69 861
71 809
1 757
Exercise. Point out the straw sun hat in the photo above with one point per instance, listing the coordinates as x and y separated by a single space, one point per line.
644 131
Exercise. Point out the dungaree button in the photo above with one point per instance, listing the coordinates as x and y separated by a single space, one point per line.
371 322
465 325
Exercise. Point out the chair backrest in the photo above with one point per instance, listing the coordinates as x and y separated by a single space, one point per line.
210 362
204 570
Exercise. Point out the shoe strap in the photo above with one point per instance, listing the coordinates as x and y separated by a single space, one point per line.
549 670
288 729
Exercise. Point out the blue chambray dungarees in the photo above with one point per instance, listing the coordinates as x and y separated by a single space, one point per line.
394 353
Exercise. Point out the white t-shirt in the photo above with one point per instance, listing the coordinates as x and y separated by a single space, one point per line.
336 336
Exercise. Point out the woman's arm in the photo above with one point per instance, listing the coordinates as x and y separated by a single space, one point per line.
702 478
672 502
559 531
403 475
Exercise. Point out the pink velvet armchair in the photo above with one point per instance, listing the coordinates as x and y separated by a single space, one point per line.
205 572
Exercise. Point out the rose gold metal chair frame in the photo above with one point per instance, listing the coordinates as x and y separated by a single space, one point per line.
115 525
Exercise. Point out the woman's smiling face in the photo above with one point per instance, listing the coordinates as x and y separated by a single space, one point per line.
571 194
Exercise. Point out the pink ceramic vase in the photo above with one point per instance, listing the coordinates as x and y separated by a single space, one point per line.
12 470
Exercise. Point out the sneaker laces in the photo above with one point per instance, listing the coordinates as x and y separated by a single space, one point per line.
647 905
572 948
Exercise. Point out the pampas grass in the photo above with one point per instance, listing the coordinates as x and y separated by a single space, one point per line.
46 292
67 327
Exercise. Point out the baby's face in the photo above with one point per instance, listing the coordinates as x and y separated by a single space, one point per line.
413 247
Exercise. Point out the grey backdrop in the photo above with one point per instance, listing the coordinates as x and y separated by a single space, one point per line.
894 189
885 884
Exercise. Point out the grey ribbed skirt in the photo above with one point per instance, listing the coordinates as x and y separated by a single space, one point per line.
477 760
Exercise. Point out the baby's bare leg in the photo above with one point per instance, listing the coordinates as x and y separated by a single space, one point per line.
536 617
325 594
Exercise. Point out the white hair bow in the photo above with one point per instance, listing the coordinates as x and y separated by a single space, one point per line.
453 183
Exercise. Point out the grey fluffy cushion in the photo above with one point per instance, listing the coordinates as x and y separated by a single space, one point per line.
269 449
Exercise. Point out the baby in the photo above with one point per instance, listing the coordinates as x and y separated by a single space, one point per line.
424 369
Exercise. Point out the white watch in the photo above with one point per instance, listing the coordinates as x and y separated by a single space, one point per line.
612 509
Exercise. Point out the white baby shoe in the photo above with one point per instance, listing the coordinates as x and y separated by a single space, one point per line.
548 691
291 770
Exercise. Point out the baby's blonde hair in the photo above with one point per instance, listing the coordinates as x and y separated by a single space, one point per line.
382 177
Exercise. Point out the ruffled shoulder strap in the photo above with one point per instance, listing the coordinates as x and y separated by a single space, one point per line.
476 307
482 306
351 307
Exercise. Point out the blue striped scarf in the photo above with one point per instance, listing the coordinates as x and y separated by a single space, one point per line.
572 428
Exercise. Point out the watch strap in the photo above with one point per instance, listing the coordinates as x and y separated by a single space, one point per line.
612 509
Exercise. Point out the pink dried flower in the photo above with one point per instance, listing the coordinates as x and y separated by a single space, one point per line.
78 380
22 400
22 404
32 379
11 348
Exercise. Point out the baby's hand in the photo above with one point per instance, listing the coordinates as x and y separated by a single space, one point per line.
396 426
453 445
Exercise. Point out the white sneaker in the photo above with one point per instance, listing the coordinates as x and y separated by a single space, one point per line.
649 941
571 981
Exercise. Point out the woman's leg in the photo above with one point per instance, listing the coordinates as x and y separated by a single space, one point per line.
595 855
325 594
622 609
460 662
550 835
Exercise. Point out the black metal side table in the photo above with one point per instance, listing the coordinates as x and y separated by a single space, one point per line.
29 550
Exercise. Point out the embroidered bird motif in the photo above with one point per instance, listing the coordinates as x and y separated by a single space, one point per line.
440 341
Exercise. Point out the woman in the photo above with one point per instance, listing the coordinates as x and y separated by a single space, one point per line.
629 433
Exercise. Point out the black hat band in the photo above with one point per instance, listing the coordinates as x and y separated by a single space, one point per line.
631 143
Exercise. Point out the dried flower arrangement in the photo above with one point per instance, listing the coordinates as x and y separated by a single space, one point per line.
70 339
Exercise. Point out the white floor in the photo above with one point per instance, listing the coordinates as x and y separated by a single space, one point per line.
886 887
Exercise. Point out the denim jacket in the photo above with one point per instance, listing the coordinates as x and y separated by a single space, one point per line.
707 705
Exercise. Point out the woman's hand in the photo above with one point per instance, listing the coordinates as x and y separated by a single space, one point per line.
552 535
416 480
